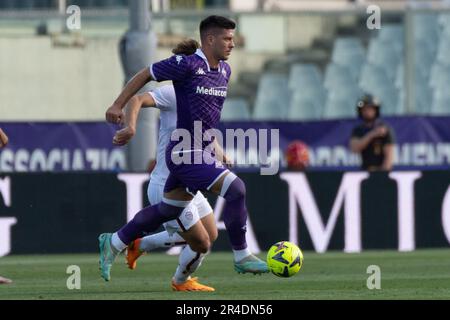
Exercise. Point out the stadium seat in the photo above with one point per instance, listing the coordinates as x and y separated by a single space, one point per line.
384 55
421 78
341 102
303 109
235 109
444 23
444 20
443 50
401 107
426 27
373 76
272 81
348 44
304 75
272 98
424 58
336 75
353 63
442 90
388 97
440 106
271 108
445 31
347 51
422 94
392 33
423 98
440 75
400 77
316 95
307 103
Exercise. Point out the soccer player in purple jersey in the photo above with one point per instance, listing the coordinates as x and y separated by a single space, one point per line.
197 222
200 81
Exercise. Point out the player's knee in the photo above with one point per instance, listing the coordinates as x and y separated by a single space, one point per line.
200 248
201 244
236 190
204 247
213 234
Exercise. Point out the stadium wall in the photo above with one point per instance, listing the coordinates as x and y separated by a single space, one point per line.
46 81
321 211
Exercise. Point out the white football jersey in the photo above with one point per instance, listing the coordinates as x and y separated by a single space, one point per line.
166 101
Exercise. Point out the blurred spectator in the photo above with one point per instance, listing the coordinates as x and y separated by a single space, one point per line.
373 139
297 155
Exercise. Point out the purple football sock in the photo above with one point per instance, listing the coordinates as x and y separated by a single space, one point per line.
235 214
148 220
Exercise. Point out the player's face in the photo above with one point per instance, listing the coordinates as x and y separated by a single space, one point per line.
223 43
369 113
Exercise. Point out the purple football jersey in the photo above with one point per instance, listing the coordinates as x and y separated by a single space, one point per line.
200 90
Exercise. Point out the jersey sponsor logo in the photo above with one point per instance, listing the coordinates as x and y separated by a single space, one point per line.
200 71
212 91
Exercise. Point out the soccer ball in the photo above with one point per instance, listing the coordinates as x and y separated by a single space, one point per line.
284 259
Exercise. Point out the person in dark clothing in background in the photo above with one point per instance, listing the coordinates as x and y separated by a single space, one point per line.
373 139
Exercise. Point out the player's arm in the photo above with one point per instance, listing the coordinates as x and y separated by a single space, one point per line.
135 104
114 114
388 150
220 154
357 145
3 138
175 68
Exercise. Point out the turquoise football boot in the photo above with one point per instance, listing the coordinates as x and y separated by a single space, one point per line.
251 264
107 255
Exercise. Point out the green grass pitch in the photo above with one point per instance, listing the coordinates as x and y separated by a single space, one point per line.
423 274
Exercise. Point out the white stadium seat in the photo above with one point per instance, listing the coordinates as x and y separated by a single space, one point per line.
235 109
306 105
304 75
341 102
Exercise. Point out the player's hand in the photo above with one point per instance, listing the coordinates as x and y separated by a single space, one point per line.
379 132
115 115
123 136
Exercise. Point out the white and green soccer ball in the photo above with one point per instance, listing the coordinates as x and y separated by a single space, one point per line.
284 259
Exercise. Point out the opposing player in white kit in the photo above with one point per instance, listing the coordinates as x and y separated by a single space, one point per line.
193 224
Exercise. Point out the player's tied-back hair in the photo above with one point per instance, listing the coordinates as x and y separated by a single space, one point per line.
215 22
186 47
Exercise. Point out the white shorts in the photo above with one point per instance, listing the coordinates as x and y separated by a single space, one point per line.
196 210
